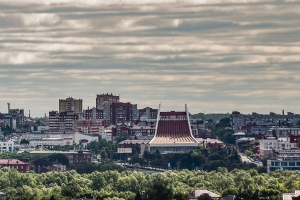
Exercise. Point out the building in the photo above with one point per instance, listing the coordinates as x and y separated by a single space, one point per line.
43 128
8 146
196 193
50 139
70 104
290 196
15 164
240 121
121 113
147 114
93 114
73 156
138 145
63 121
101 99
173 133
90 126
211 143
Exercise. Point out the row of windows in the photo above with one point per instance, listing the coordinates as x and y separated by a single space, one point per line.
285 163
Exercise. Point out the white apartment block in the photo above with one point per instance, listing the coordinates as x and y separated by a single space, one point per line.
7 146
267 146
59 138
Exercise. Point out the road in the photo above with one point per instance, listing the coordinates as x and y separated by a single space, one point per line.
247 160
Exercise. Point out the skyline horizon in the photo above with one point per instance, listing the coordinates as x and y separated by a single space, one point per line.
164 108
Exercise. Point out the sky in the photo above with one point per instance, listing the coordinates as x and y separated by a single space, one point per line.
214 55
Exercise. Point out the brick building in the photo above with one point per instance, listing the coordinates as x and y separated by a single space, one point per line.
93 114
16 164
120 113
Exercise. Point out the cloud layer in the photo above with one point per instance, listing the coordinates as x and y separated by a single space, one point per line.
214 55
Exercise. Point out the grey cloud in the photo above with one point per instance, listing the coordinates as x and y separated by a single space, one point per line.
214 57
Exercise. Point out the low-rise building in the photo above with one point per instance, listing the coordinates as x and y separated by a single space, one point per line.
8 146
90 126
15 164
73 156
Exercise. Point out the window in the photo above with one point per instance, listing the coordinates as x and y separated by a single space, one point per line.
291 163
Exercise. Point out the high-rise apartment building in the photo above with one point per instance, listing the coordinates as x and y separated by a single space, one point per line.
123 112
93 114
147 114
63 121
101 99
70 104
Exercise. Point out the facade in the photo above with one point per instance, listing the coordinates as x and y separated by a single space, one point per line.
120 113
147 114
50 139
15 164
173 133
70 104
90 126
74 156
43 128
64 121
101 99
93 114
211 143
290 196
8 146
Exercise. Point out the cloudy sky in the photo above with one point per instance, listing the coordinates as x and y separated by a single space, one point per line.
214 55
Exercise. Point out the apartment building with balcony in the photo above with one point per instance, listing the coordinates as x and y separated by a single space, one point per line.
70 104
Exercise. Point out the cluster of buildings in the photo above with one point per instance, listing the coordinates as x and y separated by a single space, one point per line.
278 136
13 118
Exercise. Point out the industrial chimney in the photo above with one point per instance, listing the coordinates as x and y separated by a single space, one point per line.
8 107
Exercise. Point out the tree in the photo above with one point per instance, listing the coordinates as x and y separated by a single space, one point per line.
58 157
181 196
204 196
138 196
159 191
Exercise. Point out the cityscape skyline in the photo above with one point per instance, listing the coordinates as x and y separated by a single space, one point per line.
216 56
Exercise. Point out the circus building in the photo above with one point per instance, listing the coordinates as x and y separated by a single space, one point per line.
173 133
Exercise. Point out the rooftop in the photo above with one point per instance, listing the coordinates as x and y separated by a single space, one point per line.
10 161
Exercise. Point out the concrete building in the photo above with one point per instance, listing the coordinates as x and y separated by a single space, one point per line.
15 164
63 121
8 146
70 104
90 126
120 113
50 139
93 114
101 99
43 128
147 114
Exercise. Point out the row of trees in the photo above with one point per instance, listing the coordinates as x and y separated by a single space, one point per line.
247 184
200 158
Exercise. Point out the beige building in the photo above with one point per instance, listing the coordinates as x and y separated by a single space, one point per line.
70 104
102 99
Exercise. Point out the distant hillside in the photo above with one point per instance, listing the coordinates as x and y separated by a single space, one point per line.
213 116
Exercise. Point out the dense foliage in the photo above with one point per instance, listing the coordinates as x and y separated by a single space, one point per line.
200 158
125 185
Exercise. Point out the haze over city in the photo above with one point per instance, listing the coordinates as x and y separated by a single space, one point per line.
216 56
